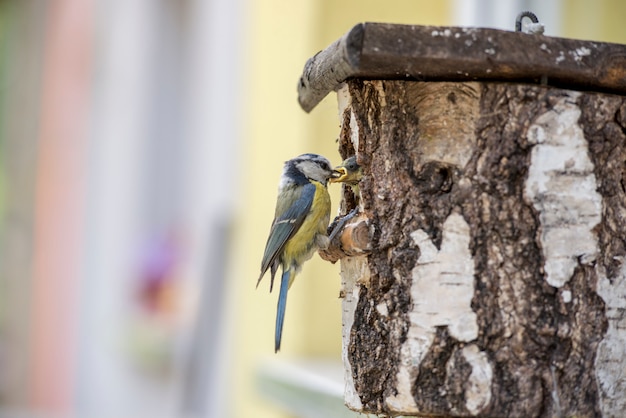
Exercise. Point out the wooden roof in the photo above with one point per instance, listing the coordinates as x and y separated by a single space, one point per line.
410 52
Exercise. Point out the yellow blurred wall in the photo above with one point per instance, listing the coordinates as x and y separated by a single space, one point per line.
282 36
601 20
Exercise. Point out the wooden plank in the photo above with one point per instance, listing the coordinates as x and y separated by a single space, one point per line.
410 52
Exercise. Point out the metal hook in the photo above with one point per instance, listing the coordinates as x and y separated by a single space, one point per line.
521 16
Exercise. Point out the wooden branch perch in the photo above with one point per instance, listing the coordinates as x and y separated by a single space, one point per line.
352 240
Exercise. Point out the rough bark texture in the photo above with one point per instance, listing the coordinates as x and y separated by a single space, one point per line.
496 281
384 51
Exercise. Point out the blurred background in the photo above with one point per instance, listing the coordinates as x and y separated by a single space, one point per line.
141 143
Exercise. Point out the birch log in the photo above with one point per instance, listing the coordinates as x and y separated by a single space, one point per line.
495 283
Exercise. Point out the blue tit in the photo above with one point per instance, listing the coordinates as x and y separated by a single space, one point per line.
299 226
350 173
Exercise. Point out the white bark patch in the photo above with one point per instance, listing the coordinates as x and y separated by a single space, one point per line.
610 365
354 130
566 296
478 387
441 292
562 188
382 309
344 100
446 136
354 273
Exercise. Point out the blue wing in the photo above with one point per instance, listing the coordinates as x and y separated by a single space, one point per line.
285 225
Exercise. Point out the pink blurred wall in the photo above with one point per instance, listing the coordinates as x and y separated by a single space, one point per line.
59 196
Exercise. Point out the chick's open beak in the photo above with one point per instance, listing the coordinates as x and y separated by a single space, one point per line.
339 175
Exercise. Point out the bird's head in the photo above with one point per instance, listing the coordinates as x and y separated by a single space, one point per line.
312 166
349 172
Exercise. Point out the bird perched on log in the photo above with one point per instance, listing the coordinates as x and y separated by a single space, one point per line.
299 226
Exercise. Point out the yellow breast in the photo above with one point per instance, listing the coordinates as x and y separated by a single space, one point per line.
302 245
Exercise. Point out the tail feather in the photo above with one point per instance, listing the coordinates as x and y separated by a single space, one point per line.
273 269
282 304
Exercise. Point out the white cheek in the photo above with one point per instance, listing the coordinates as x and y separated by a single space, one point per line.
319 174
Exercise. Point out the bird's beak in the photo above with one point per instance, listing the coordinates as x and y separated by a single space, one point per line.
339 174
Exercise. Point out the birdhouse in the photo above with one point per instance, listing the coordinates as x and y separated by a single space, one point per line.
484 272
